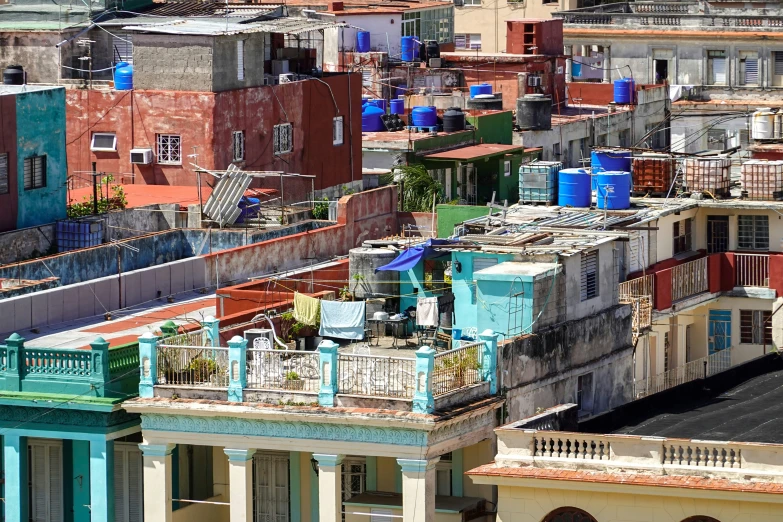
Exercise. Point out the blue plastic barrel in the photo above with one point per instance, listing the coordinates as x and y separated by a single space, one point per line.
123 76
397 106
573 188
608 159
424 117
409 49
624 90
380 103
371 119
485 88
475 90
619 196
363 42
576 69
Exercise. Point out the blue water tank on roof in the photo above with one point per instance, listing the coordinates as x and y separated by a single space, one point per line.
573 188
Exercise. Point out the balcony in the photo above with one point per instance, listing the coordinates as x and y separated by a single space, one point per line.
697 369
191 365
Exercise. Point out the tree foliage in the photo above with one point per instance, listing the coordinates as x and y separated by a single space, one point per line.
418 188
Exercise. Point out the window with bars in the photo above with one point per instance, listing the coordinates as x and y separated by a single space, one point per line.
753 232
34 172
777 69
128 498
337 130
238 148
716 67
755 327
270 488
748 73
354 477
682 236
4 173
283 138
589 276
169 149
468 40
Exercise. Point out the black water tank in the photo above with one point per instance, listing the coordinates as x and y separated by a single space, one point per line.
534 112
433 49
453 120
494 102
13 75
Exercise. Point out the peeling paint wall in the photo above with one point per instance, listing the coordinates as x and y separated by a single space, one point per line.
8 206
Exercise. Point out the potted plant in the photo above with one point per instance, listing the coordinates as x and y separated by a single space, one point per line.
462 367
293 381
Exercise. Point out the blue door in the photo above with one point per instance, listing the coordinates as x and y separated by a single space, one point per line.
720 330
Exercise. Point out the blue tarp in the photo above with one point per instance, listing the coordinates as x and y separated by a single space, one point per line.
411 257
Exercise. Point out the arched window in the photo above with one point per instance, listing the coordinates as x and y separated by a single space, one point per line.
701 518
568 514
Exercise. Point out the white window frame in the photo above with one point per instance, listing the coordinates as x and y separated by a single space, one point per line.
713 77
31 181
44 496
128 485
238 145
95 148
507 168
337 130
348 474
4 187
283 138
585 291
473 2
468 41
240 60
168 150
743 59
776 68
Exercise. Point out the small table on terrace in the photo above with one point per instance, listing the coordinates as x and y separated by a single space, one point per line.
395 324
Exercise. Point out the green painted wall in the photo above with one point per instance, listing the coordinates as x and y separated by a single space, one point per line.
40 122
443 141
496 127
77 489
450 215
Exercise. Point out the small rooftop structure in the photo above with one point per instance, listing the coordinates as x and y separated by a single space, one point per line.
475 152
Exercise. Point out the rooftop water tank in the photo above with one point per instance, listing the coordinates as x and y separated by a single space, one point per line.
379 102
538 182
610 159
652 173
397 106
363 42
534 112
363 262
410 49
371 119
13 75
573 188
485 102
624 91
424 117
708 174
613 190
123 76
433 49
763 125
453 120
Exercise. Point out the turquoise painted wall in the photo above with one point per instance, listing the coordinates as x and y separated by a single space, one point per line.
464 288
497 309
76 480
412 286
451 215
40 122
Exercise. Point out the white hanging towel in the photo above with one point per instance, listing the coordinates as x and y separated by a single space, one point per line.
427 311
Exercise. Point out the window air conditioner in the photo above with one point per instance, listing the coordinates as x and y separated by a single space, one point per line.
141 156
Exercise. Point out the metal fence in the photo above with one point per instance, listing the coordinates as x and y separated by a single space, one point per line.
689 279
641 286
752 269
697 369
283 370
457 368
195 338
192 366
376 376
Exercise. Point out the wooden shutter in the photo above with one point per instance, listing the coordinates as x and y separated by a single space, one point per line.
120 498
4 174
40 490
47 482
271 487
589 280
779 64
55 484
135 486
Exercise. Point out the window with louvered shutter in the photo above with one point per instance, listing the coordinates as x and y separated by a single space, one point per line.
34 172
779 64
589 277
120 497
123 46
337 130
128 501
749 68
46 471
4 173
240 60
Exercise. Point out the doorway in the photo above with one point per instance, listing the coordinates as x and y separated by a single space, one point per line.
719 330
661 71
717 234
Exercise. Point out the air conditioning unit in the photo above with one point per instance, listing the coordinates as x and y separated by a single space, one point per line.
268 80
254 333
534 81
287 77
141 156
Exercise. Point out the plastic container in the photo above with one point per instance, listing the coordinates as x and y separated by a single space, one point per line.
75 234
249 208
123 76
424 117
363 42
652 173
397 107
538 182
410 49
711 175
762 180
13 75
614 190
576 69
624 91
453 120
763 125
602 160
573 188
371 119
379 102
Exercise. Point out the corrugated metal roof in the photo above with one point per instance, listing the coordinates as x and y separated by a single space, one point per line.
289 25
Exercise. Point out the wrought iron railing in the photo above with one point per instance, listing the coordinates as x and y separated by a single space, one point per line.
194 338
376 376
689 279
697 369
192 366
641 286
751 269
457 368
283 370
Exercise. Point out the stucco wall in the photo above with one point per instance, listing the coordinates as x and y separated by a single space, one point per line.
8 201
607 283
174 62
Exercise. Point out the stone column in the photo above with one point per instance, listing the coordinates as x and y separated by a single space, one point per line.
16 478
327 355
418 489
330 501
102 480
568 51
607 64
423 398
157 482
240 483
237 368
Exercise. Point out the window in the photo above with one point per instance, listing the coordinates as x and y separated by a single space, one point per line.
354 477
716 139
468 41
682 236
337 130
103 142
748 73
34 172
755 327
549 1
270 487
128 499
238 145
555 151
4 173
443 176
716 67
195 465
507 168
472 2
430 24
169 149
46 481
584 392
283 138
123 46
777 70
625 138
589 279
240 60
443 475
480 263
753 232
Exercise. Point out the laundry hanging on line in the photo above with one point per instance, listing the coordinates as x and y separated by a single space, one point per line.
342 319
307 310
427 311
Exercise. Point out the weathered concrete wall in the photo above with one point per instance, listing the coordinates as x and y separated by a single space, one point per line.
173 62
35 51
20 245
224 64
418 224
541 370
607 283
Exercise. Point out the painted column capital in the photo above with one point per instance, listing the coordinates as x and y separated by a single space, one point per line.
423 399
148 364
15 363
328 461
211 327
239 455
237 368
416 465
327 355
157 450
489 359
99 358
